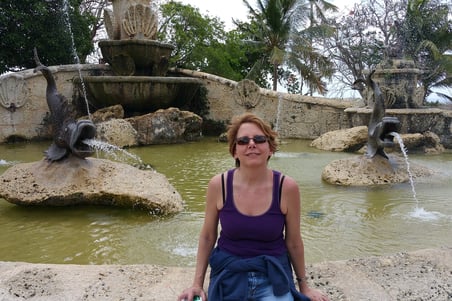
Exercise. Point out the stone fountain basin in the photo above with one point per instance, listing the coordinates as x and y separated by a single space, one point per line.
140 93
136 57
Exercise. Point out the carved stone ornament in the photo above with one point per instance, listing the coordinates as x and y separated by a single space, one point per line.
111 25
11 87
248 94
140 22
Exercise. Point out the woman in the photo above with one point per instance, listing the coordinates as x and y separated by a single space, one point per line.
260 244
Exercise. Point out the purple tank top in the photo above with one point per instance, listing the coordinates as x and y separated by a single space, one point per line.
249 236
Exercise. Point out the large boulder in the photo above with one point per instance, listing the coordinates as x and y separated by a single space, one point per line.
118 132
363 171
355 139
346 140
167 126
90 181
164 126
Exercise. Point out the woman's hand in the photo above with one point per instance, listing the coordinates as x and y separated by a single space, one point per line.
315 295
189 293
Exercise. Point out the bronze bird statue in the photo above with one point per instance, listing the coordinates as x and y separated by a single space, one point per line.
68 133
380 127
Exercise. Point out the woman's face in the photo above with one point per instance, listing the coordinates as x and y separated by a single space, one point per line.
252 147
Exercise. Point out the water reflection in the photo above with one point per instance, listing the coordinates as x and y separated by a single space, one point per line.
337 222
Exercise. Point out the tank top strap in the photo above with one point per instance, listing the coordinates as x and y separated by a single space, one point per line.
227 202
276 191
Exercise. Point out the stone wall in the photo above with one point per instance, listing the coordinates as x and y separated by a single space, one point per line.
293 116
23 106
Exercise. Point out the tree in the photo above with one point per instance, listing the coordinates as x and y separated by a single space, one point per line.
378 30
308 59
363 37
275 19
427 38
44 25
201 42
277 30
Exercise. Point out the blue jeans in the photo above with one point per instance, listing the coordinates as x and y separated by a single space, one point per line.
260 289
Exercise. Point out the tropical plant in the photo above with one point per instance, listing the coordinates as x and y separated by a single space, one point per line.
307 58
274 30
270 33
201 43
49 26
427 34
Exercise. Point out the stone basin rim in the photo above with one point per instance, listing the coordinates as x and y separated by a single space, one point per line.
141 79
135 42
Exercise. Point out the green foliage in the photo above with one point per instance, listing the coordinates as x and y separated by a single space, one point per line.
271 34
201 42
27 24
279 32
427 36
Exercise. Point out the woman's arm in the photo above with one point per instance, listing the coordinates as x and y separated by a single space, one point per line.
207 239
290 205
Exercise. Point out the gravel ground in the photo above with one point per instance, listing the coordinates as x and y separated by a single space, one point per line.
420 275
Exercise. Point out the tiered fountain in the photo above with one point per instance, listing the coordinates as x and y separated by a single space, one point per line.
139 64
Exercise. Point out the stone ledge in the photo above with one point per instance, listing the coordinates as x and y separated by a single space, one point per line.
418 275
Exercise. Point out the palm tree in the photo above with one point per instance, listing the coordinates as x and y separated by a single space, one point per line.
275 20
428 36
320 28
274 31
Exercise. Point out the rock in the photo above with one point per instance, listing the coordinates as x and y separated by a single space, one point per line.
355 140
105 114
118 132
427 142
90 181
167 126
348 140
363 171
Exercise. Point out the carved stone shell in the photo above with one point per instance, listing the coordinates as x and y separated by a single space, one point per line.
111 26
140 22
11 89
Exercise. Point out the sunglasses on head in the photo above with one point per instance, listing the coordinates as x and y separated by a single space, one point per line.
245 140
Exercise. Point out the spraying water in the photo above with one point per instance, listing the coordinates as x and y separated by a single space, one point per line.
278 113
418 212
5 163
113 151
74 53
407 162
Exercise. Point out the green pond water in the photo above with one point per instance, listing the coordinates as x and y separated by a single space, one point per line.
337 222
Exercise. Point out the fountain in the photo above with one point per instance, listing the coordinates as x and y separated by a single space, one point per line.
139 64
369 220
376 167
67 177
